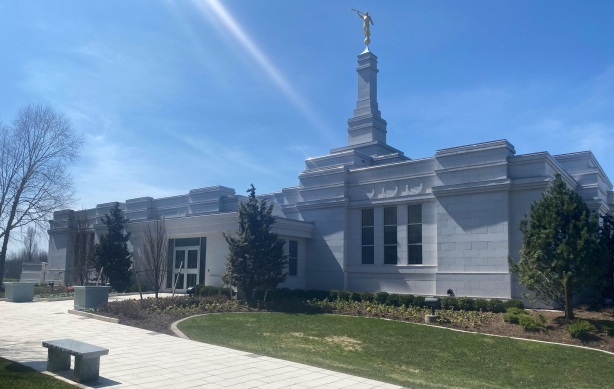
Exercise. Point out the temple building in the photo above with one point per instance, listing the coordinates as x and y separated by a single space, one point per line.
365 217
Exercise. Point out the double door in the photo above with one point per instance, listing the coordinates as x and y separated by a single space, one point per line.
186 267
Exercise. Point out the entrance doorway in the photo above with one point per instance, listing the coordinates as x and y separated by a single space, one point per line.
186 267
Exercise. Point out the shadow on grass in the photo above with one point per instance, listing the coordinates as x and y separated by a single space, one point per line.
15 367
36 365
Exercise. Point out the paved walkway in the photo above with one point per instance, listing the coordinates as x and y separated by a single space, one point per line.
143 359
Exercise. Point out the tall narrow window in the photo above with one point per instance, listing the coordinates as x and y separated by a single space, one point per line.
390 236
368 237
292 258
414 234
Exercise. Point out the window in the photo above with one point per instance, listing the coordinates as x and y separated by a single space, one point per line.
191 280
368 237
292 258
414 234
390 236
180 259
185 242
192 259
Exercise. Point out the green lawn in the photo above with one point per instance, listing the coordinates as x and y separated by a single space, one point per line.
404 353
13 375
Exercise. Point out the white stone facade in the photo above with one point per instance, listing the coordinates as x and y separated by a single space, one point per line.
367 218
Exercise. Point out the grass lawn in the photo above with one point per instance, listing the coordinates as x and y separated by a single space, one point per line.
404 353
14 375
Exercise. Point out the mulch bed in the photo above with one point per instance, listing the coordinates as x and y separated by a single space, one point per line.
556 329
556 326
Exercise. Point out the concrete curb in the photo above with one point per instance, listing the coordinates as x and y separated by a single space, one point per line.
178 332
93 316
498 336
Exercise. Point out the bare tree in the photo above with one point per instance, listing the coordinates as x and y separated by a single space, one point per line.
83 249
30 246
35 153
154 253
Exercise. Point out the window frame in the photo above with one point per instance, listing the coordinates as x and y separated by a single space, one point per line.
390 229
367 236
414 241
292 258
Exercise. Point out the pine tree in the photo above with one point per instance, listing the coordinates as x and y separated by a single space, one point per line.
561 251
112 253
256 259
607 237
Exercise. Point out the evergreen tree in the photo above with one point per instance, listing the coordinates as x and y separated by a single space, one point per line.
607 237
256 259
112 253
561 251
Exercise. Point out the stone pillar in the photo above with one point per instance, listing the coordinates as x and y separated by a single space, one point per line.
367 124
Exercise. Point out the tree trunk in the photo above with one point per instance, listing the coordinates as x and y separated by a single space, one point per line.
5 242
568 299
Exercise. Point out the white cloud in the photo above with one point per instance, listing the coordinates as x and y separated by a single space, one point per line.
113 171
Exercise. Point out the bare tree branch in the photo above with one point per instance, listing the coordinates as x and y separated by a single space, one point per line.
36 152
154 253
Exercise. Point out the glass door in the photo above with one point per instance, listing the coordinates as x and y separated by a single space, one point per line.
186 267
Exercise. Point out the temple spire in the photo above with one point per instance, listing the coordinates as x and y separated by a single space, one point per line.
367 124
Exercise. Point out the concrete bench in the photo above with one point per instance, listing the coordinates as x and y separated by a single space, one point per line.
87 358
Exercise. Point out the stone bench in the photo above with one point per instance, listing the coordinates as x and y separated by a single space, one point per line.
87 358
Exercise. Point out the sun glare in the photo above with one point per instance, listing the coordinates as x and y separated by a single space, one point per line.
213 8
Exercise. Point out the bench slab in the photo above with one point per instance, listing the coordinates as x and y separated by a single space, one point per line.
87 357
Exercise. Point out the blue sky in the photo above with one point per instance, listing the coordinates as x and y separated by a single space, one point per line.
175 95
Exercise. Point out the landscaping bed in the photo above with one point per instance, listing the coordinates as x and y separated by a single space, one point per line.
158 315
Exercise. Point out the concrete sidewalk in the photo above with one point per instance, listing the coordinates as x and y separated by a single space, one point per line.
143 359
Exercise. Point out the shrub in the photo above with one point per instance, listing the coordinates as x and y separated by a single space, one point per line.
513 315
135 288
496 306
342 295
367 297
514 303
355 296
580 329
448 302
275 295
393 300
205 290
529 323
333 294
406 300
296 294
419 301
465 304
316 295
469 304
381 297
481 305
